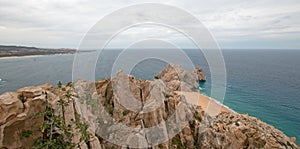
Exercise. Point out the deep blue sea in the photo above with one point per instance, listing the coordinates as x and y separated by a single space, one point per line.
262 83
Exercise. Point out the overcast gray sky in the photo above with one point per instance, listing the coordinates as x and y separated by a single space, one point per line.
238 24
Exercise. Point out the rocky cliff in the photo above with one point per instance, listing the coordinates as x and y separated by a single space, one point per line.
125 112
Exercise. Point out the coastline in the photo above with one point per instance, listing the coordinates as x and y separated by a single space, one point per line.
29 56
12 57
8 51
234 128
219 121
211 106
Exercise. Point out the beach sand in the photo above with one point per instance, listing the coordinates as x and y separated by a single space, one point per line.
23 56
210 106
30 56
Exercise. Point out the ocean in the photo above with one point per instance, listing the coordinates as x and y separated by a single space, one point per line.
262 83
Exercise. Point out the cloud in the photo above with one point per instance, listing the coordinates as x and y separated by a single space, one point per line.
2 27
63 23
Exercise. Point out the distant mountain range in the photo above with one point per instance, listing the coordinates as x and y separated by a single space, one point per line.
10 51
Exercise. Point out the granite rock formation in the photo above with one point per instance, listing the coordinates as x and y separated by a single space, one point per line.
200 74
137 104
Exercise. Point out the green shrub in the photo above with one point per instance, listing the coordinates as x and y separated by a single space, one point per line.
26 133
56 133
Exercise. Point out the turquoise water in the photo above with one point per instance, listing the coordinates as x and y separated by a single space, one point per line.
262 83
265 84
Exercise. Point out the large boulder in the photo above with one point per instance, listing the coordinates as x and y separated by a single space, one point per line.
17 127
200 74
178 79
10 106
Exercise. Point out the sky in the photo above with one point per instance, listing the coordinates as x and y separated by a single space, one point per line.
234 24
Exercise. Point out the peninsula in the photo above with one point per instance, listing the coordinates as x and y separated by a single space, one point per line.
16 51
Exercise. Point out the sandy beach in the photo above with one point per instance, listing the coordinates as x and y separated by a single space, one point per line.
209 105
10 57
30 56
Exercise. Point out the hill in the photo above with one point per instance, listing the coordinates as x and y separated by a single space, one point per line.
10 51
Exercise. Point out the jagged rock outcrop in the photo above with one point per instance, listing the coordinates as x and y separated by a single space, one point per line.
19 127
200 74
16 111
126 112
177 79
232 130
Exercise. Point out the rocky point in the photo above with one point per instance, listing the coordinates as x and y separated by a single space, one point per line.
155 102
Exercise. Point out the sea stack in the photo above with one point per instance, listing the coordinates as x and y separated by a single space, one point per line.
200 74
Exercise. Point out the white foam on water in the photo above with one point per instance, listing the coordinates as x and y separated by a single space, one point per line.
200 88
218 102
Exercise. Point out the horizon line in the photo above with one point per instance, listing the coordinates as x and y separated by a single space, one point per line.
154 48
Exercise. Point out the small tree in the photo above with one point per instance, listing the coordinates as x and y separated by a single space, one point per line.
56 133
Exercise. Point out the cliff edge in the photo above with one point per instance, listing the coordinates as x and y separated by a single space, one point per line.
173 94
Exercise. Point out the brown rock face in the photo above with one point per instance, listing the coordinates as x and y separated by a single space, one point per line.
17 109
10 106
200 74
18 126
177 79
138 104
231 130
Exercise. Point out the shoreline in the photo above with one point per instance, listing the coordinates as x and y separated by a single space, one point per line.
35 55
29 56
12 57
211 106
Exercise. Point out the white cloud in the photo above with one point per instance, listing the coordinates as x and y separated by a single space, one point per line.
63 23
2 27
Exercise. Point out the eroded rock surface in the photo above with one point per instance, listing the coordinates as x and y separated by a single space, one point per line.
232 130
200 74
17 109
177 79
